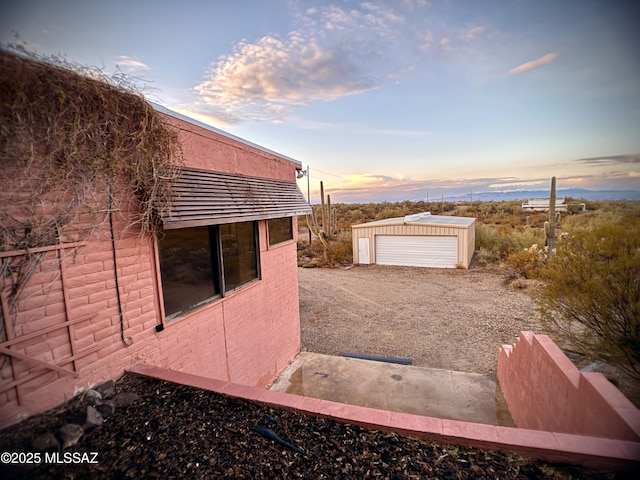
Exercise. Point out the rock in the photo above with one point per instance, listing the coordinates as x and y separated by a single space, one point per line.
106 389
46 441
94 417
106 407
92 395
124 399
69 434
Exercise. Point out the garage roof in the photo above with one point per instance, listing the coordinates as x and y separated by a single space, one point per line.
424 218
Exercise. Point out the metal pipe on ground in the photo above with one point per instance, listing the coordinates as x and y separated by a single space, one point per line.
377 358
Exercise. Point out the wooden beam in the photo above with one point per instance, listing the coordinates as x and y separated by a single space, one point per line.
48 248
16 383
44 331
20 356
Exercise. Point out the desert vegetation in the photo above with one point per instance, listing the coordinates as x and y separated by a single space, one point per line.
591 293
502 228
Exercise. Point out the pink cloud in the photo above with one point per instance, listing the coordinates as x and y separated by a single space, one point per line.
538 62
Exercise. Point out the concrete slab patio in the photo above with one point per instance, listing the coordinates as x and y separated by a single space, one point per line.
398 388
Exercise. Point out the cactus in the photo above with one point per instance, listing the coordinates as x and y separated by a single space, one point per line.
328 218
554 218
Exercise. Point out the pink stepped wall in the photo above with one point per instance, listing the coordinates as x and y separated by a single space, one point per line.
247 338
545 391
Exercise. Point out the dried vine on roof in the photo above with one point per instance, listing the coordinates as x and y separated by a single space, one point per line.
75 145
66 131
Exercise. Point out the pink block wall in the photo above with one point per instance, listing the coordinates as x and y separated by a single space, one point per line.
247 338
208 150
546 391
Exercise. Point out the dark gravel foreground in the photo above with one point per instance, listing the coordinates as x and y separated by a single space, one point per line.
174 431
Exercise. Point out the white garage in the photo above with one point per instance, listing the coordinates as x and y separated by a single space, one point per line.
420 240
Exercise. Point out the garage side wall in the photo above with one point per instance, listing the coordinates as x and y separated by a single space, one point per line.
470 248
465 235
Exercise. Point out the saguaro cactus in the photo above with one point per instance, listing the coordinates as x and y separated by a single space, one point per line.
554 218
327 226
328 218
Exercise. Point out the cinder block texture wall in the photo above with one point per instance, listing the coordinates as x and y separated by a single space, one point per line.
545 391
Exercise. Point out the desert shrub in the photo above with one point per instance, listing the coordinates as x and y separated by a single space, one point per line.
591 297
389 212
500 242
357 216
527 262
619 207
338 252
485 257
489 240
520 283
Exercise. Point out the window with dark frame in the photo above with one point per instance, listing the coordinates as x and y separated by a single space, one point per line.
200 264
280 230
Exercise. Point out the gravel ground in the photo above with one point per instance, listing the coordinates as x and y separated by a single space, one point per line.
440 318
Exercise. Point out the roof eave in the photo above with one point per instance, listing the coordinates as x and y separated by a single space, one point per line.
420 224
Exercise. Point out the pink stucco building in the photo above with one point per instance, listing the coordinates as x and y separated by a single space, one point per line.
215 294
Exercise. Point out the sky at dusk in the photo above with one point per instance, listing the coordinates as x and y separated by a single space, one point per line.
383 100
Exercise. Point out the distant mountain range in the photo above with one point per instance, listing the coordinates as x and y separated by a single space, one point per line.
575 193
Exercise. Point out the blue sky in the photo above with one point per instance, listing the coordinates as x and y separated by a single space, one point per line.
382 99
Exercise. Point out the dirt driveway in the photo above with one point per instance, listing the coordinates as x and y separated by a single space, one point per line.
440 318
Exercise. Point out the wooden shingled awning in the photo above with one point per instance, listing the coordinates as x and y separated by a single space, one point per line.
211 198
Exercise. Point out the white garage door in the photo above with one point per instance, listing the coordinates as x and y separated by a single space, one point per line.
417 251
